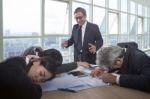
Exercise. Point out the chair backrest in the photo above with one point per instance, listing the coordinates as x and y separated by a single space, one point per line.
126 44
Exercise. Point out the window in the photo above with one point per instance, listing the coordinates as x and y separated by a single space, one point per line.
20 20
145 34
132 29
87 1
124 23
140 10
124 5
113 28
113 4
47 23
132 7
140 25
100 19
99 2
11 47
56 17
145 12
123 37
113 23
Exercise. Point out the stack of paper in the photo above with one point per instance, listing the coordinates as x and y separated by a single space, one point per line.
72 82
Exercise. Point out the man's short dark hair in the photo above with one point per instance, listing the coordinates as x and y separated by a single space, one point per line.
80 9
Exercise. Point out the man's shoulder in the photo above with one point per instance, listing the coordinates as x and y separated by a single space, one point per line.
92 24
76 25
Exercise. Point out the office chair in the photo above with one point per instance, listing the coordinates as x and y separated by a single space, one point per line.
126 44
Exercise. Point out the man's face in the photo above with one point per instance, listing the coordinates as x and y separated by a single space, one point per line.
80 18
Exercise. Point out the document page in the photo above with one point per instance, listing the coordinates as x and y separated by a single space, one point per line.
61 82
72 82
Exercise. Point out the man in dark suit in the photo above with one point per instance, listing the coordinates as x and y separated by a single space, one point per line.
127 67
86 38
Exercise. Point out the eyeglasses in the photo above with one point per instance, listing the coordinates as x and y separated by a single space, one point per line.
79 17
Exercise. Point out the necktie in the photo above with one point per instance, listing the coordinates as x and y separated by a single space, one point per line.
79 48
80 39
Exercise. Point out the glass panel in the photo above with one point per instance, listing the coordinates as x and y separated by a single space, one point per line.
140 23
140 9
145 12
99 2
149 30
113 23
132 7
124 5
113 4
75 5
21 17
139 41
11 47
145 26
123 38
99 18
112 40
56 17
87 1
145 41
104 39
55 42
132 29
123 23
132 37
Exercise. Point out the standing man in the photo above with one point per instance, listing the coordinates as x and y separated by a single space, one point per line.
86 38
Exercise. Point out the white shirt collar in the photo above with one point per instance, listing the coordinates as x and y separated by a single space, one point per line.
84 25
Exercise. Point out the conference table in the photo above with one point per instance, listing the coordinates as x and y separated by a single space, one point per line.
103 92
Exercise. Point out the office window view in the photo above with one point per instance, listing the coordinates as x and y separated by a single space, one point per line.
42 23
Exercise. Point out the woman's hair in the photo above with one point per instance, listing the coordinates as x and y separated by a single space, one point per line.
50 59
33 50
106 56
53 53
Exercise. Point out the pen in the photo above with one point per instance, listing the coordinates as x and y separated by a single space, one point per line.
67 90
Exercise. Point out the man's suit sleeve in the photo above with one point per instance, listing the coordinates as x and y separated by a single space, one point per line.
66 67
141 82
71 40
99 39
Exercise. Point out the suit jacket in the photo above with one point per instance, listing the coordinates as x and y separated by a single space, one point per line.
135 71
66 67
92 35
14 82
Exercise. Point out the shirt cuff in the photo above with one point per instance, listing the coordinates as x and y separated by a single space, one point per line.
27 60
117 77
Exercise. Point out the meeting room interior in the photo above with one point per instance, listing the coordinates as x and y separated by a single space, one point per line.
54 24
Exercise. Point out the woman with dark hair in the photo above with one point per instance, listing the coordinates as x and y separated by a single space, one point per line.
51 63
29 53
17 75
33 50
